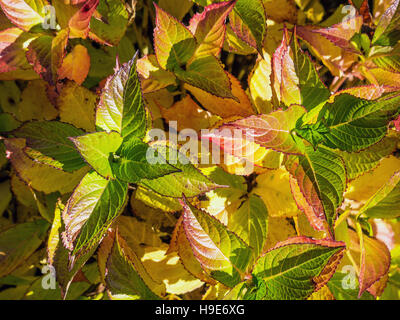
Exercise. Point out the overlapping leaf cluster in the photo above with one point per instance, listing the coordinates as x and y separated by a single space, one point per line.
106 212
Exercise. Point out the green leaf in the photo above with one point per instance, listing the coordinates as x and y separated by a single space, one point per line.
249 21
90 210
220 252
121 106
250 223
132 163
356 124
207 73
97 149
174 44
19 242
124 272
294 269
47 142
189 181
112 30
312 90
361 162
320 181
8 122
384 203
341 292
59 257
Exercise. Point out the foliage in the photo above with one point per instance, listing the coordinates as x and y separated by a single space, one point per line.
89 195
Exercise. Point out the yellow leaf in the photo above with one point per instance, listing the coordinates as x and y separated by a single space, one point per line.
279 229
274 188
77 106
39 176
225 108
281 10
189 115
364 187
323 294
35 103
260 85
76 65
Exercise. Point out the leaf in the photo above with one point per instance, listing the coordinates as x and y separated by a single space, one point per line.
76 65
174 44
25 14
374 260
97 149
355 124
335 285
268 130
175 7
8 122
250 223
248 20
152 77
90 210
209 28
220 252
260 86
35 103
47 142
77 106
313 91
223 107
189 181
284 77
6 196
274 188
295 268
188 114
135 164
114 28
79 23
19 242
59 257
388 22
121 106
39 176
207 73
318 183
124 272
358 163
385 203
46 55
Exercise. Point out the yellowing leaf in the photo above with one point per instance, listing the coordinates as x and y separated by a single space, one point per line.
35 103
24 14
188 115
274 188
77 106
260 85
76 65
224 108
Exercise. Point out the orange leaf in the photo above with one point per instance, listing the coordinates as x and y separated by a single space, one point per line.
76 65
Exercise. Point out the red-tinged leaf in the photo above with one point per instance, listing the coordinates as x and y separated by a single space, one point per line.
297 267
24 14
271 131
389 21
374 259
249 22
285 79
12 49
319 187
367 92
79 23
46 54
397 123
174 44
340 34
220 252
209 28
